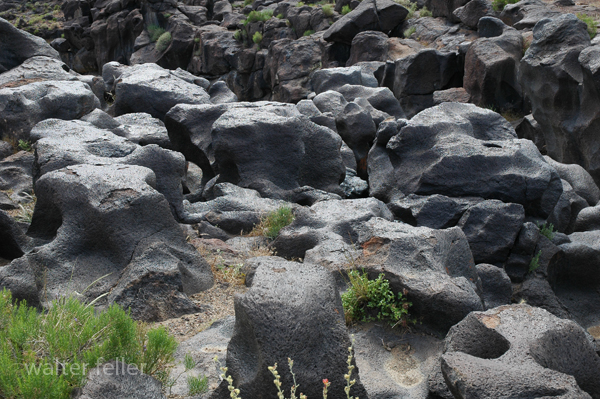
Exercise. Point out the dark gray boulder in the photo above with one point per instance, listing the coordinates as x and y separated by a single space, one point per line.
62 143
143 129
461 150
24 106
275 154
417 76
444 8
588 219
433 211
190 129
495 284
154 90
580 180
219 93
334 78
381 98
378 15
561 88
357 128
491 70
102 224
525 14
292 310
6 150
523 250
118 380
473 11
491 228
35 69
17 46
564 214
519 351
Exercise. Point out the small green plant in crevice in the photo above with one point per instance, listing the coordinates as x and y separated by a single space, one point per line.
256 16
499 5
424 12
277 381
535 262
547 230
346 9
408 33
25 145
237 35
591 24
257 38
328 10
196 385
300 4
272 223
308 32
279 16
155 32
233 391
163 42
248 2
47 354
369 300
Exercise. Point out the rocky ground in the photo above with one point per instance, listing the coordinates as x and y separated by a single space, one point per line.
451 148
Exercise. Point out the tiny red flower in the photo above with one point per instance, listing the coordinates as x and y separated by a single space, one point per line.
325 381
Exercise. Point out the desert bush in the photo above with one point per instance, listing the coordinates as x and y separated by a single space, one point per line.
272 223
500 4
256 16
47 354
547 230
257 38
368 300
408 33
591 24
346 9
155 32
328 10
163 42
424 12
308 32
535 262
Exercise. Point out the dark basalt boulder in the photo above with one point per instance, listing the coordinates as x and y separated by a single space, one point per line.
491 70
16 176
519 351
473 11
378 15
151 89
24 106
525 14
102 223
17 46
294 311
460 150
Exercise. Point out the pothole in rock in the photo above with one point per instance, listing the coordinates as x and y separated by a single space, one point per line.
402 367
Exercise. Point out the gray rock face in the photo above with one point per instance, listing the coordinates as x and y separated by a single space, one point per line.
491 228
561 88
378 15
154 90
118 380
444 8
580 180
567 208
62 143
190 128
433 211
143 129
518 350
334 78
491 70
526 14
24 106
460 150
220 93
381 98
274 154
496 286
17 46
6 150
16 175
292 310
35 69
107 222
588 219
419 75
473 11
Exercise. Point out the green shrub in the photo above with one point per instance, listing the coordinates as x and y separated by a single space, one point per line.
547 230
25 145
257 38
163 42
272 223
279 16
237 35
369 300
591 24
424 12
262 16
535 262
346 9
408 33
248 2
300 4
155 32
328 10
500 4
308 32
47 354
